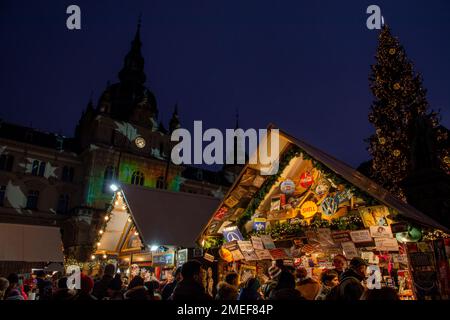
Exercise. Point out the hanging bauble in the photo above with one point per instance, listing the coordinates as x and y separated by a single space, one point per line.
392 51
287 186
396 153
396 86
382 140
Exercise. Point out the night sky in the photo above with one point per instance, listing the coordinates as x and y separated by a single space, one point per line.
302 65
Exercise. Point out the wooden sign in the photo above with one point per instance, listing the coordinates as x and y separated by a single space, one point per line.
208 257
257 243
386 244
361 236
341 236
381 232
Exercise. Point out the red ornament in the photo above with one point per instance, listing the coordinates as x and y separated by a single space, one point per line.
306 179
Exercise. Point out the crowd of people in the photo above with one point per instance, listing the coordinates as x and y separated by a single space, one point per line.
280 283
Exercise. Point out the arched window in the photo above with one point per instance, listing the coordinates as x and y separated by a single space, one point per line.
63 204
108 177
137 178
160 183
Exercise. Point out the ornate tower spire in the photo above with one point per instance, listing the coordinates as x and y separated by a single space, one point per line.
133 68
174 121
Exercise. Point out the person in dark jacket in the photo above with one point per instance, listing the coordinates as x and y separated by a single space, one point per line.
101 286
351 288
62 292
169 287
190 288
250 290
285 288
44 286
114 291
85 292
228 289
137 290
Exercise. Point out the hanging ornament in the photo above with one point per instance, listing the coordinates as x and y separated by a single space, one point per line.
382 140
392 51
396 152
396 86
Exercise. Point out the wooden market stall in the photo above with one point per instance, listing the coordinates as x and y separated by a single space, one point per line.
144 228
316 207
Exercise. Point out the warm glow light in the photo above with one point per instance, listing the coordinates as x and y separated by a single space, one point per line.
92 257
105 256
101 232
116 203
124 207
203 242
106 218
98 244
136 233
129 219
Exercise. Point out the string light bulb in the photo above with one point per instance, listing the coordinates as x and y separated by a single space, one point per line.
129 219
98 244
100 232
136 233
105 256
92 257
116 203
106 218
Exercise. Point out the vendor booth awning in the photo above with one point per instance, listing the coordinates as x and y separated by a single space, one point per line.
154 217
30 243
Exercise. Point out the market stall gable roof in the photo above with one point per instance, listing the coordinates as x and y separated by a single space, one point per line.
160 217
346 172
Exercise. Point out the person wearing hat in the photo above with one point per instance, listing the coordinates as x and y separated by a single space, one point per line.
274 274
351 288
170 286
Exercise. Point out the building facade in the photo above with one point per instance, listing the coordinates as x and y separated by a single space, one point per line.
49 179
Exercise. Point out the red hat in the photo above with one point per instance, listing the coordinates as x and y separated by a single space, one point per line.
87 284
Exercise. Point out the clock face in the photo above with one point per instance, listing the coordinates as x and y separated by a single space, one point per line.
140 142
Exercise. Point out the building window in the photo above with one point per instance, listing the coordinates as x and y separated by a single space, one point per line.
108 178
63 204
67 174
199 174
38 168
160 183
2 195
32 199
6 162
137 178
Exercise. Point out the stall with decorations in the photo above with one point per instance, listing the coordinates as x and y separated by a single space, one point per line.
316 208
150 231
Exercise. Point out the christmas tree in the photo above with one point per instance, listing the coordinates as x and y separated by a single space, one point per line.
400 100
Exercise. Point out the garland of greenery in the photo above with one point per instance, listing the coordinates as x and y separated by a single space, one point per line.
295 151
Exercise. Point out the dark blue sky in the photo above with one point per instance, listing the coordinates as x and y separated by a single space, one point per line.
302 65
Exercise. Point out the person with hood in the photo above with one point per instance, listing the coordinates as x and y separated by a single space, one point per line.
170 286
137 290
250 290
329 279
228 289
4 284
62 292
190 288
351 288
274 274
101 286
309 288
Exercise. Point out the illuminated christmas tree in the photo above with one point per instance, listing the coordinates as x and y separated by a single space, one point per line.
400 100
